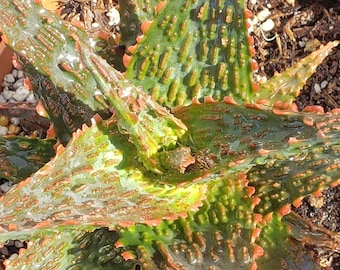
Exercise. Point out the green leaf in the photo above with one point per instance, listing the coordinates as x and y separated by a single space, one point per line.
194 49
22 156
96 180
285 87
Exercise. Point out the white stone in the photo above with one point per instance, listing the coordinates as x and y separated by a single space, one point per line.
20 74
5 84
9 78
95 24
15 73
263 14
18 83
15 120
3 131
30 97
302 44
5 186
323 84
114 16
7 94
2 99
317 88
268 25
21 94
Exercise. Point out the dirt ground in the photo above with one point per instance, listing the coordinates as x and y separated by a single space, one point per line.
295 30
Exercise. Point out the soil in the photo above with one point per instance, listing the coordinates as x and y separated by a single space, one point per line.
298 30
300 27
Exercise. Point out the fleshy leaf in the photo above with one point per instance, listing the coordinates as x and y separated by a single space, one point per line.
204 240
133 13
22 156
194 49
219 234
285 87
89 82
95 180
211 206
282 182
281 250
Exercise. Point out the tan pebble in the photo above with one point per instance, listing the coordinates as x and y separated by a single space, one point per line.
13 129
316 202
4 120
291 2
312 45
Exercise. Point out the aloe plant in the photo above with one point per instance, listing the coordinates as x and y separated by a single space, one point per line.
182 162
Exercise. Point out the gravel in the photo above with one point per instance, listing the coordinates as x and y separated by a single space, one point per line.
14 89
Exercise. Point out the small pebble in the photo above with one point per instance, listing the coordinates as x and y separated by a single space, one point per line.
312 45
10 242
19 244
2 99
4 251
20 74
323 84
5 84
95 24
302 44
15 73
316 202
5 187
7 94
18 83
317 88
13 257
263 14
268 25
3 131
114 16
21 93
30 97
9 78
13 129
291 2
15 120
4 120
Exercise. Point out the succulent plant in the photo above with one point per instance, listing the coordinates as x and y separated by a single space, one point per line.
182 162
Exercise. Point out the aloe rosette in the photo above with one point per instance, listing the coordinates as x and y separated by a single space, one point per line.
206 183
